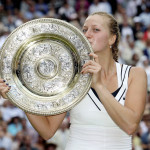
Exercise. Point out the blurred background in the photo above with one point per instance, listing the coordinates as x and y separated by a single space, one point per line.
133 17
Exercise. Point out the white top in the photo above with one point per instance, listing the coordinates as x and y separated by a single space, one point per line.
91 126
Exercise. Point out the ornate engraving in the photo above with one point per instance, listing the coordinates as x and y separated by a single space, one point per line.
46 67
42 61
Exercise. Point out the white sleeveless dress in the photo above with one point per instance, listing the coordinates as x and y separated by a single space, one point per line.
91 126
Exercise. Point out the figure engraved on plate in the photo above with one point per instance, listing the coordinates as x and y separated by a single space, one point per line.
46 67
27 72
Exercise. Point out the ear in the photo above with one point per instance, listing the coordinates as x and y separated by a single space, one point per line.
112 39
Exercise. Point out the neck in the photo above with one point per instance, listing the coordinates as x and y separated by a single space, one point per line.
107 62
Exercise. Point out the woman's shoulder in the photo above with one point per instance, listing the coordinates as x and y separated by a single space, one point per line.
138 71
137 74
135 70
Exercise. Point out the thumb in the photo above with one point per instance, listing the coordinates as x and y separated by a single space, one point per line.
95 57
4 95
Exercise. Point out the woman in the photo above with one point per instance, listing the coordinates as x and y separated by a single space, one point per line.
111 111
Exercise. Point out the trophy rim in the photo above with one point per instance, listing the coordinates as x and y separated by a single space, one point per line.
86 44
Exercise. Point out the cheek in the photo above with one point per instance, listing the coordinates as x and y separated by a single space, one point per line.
101 42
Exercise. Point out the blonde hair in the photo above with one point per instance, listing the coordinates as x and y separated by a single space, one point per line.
114 30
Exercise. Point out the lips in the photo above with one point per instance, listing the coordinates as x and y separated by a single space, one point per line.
90 42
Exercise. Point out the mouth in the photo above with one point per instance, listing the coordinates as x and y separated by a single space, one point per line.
89 40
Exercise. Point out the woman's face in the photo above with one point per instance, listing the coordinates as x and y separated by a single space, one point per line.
97 32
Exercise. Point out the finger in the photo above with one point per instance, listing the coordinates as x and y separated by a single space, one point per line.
91 67
88 67
91 71
95 57
4 91
3 85
2 88
90 62
2 80
4 95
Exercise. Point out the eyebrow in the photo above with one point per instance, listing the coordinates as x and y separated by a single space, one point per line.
92 25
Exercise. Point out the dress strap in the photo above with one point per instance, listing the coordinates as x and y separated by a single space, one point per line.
118 67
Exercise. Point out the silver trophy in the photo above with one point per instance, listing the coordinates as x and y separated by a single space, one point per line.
42 60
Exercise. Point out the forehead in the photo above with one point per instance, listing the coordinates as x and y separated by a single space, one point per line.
96 20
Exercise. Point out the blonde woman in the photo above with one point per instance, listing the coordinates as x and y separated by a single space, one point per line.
111 111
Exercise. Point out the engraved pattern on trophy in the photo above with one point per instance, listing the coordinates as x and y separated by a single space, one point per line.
42 60
49 63
46 68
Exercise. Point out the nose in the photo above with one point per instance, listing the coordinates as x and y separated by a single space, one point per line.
88 34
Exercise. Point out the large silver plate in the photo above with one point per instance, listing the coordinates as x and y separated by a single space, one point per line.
42 60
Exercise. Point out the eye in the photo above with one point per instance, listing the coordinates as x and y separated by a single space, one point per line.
96 29
84 30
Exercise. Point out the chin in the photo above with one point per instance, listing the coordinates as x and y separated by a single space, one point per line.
96 51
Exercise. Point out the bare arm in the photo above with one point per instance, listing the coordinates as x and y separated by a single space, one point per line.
127 117
46 126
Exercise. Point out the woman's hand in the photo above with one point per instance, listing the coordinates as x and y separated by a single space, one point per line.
93 67
4 88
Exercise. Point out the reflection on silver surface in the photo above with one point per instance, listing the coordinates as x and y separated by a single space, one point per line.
42 61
